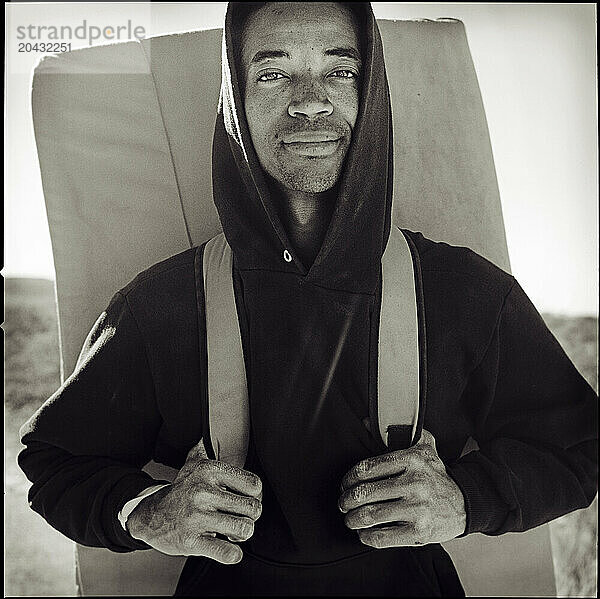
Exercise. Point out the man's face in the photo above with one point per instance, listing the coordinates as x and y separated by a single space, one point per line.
301 65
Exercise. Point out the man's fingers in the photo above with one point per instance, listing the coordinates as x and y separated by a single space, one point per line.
236 528
381 466
241 505
236 479
388 464
401 535
218 549
219 473
379 513
371 492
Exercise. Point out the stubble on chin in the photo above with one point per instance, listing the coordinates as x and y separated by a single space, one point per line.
308 175
308 182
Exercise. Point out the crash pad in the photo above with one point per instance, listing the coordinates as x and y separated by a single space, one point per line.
124 136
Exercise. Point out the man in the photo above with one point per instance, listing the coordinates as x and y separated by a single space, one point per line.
302 179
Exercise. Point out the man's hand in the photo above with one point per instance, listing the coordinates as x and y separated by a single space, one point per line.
207 497
408 493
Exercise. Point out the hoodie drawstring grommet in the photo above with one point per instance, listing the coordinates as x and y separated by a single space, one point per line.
287 256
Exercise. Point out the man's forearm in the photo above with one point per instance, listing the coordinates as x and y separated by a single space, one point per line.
81 496
86 445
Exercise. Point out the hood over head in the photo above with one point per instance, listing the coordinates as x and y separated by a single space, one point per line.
349 258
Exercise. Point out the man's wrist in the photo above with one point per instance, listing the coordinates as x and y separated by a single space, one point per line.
128 508
485 510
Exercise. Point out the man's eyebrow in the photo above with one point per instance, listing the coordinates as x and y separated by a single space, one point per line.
344 53
266 54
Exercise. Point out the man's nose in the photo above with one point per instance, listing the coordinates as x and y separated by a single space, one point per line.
310 101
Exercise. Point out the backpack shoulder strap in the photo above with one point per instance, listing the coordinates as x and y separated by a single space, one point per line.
398 349
398 389
228 407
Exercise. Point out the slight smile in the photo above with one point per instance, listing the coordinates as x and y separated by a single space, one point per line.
317 149
315 144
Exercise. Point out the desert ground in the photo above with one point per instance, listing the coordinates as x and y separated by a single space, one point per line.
39 560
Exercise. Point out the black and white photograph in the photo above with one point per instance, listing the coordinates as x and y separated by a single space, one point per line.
301 299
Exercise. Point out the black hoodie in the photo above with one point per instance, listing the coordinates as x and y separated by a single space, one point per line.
308 330
491 371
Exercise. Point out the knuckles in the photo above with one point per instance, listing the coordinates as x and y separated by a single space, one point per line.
365 517
361 469
249 506
361 492
240 528
419 489
355 496
415 459
364 468
234 472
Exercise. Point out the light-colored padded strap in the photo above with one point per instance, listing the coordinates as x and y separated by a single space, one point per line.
398 360
228 411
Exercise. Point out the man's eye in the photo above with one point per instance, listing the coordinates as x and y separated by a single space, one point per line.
344 74
271 76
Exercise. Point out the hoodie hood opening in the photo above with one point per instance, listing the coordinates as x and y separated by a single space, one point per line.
349 257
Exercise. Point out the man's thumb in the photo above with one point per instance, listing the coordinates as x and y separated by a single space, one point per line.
197 452
427 439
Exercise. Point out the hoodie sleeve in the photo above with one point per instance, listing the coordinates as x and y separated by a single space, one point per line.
535 424
86 445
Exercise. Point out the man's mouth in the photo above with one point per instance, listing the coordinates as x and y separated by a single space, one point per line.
317 144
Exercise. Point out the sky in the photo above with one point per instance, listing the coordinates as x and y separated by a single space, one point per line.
536 66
